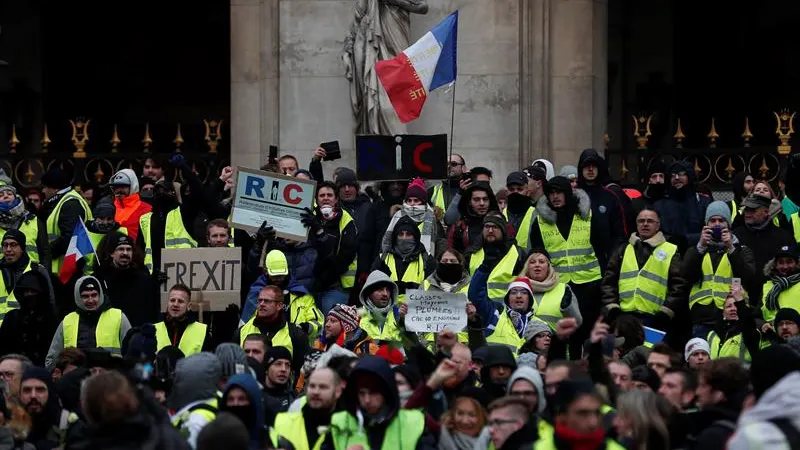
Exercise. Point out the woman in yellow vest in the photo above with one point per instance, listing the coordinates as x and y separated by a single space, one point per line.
407 262
450 276
736 334
93 324
178 329
552 299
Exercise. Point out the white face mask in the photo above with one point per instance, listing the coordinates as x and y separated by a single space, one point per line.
415 212
327 211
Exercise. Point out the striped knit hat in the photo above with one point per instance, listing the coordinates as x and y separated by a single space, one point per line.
347 315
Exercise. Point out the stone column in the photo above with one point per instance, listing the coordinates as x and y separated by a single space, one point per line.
254 80
578 92
534 86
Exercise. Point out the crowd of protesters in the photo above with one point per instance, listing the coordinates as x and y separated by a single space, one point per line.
599 316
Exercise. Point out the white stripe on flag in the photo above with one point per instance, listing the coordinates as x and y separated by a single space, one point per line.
424 56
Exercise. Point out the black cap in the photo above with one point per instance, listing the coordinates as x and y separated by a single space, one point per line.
276 353
346 176
55 178
517 178
125 240
536 173
790 251
89 284
558 184
755 201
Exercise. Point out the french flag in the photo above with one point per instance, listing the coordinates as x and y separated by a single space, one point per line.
425 66
80 246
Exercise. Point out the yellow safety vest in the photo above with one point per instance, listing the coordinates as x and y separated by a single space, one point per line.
175 235
415 272
403 432
437 197
547 306
191 341
430 337
390 332
733 347
292 427
502 274
8 300
208 409
106 333
644 290
523 237
714 286
30 228
795 218
573 258
789 298
303 309
348 279
281 339
53 232
96 238
505 333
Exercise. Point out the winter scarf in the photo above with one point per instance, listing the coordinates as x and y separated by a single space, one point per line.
427 234
455 440
780 284
541 287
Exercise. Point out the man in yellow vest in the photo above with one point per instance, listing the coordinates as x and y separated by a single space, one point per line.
270 320
643 276
519 210
371 393
710 267
383 321
301 429
62 209
442 193
336 248
496 254
179 329
782 288
100 226
13 264
162 228
407 262
93 324
14 216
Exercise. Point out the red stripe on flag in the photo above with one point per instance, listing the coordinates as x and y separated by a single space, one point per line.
403 86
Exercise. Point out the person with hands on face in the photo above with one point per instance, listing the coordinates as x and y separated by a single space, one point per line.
710 267
736 334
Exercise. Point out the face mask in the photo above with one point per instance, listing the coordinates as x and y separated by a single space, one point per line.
405 395
415 212
450 272
518 202
405 247
104 227
327 211
245 413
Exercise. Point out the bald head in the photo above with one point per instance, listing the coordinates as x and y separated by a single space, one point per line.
324 388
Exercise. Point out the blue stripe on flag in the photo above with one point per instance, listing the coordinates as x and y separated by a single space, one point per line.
446 32
653 336
83 244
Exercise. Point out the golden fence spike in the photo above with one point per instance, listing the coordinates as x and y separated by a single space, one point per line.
747 134
712 134
14 141
45 142
115 140
679 136
147 141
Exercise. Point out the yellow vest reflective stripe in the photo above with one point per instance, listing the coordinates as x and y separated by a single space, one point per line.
403 432
573 258
733 347
789 298
281 339
348 279
795 218
303 309
191 341
8 300
437 199
390 331
208 409
644 290
96 238
52 222
106 334
30 228
523 237
175 235
734 210
547 306
547 442
502 274
505 333
415 272
292 427
714 286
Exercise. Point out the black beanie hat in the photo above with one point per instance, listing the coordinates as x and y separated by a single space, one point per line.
657 166
346 176
770 365
558 184
276 353
495 219
15 235
541 251
787 314
570 390
55 178
646 375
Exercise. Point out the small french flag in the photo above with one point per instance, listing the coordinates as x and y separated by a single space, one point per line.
80 246
425 66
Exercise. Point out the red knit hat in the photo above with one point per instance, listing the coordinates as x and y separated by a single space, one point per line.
392 355
417 189
521 282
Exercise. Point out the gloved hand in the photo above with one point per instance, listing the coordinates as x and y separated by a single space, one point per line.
612 315
306 327
264 235
160 277
232 313
177 160
311 221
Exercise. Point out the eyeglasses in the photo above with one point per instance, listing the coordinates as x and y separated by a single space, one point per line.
679 174
455 164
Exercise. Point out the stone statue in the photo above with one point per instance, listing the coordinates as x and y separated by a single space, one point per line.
380 31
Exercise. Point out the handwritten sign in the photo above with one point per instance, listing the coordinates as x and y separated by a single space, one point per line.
215 272
277 199
435 311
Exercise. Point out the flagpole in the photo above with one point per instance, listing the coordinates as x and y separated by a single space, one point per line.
452 126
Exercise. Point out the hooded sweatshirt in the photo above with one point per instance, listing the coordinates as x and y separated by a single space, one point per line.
611 211
683 210
253 415
401 262
87 324
131 208
379 315
532 375
756 429
29 329
469 228
196 380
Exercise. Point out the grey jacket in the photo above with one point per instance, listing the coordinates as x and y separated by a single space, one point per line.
57 345
755 431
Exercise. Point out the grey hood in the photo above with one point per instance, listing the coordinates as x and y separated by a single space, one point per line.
374 278
780 401
196 378
125 176
532 375
77 292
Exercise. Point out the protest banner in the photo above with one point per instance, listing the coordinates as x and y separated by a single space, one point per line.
435 311
401 157
214 274
277 199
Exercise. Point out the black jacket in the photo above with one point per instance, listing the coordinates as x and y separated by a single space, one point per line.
608 199
131 290
469 228
766 243
375 224
71 212
29 329
401 264
335 251
176 328
683 211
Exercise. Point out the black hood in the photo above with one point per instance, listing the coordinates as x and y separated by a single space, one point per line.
689 189
591 155
463 204
384 189
379 368
33 280
497 355
737 184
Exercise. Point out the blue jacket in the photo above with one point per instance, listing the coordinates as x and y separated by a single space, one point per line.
251 302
